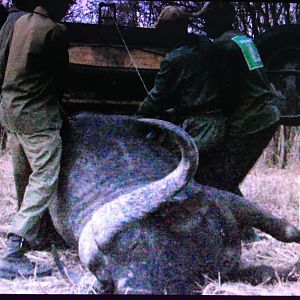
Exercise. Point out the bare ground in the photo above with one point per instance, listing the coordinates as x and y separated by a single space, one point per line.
277 191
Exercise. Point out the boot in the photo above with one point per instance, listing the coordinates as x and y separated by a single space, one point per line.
14 263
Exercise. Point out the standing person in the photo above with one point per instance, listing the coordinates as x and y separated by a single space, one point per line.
185 84
18 9
248 100
32 88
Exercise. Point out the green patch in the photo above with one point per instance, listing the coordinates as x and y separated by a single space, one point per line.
250 52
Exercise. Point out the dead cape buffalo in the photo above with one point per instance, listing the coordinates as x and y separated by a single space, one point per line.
138 219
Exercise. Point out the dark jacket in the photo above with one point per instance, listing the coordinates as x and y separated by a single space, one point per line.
5 36
186 84
247 97
35 74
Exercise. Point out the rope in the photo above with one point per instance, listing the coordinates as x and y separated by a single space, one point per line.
131 58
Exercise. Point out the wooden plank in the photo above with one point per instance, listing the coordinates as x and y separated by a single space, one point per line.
108 35
113 57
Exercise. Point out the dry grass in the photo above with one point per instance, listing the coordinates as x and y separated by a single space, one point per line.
274 190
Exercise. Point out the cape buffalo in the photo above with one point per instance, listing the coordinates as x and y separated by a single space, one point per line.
140 222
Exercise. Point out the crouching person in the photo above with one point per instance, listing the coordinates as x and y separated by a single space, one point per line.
32 88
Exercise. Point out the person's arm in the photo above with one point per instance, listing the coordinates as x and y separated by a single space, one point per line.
162 95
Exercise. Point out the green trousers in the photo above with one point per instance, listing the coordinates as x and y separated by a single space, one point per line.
227 166
36 164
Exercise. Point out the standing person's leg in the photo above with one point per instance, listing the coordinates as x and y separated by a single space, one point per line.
21 168
210 169
228 165
43 150
243 153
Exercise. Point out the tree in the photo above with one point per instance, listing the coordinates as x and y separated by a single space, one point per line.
253 18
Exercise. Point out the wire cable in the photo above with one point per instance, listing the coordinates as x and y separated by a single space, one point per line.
131 58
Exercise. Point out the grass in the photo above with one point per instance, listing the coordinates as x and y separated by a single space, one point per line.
277 191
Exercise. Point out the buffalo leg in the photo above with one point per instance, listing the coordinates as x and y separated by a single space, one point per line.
249 214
